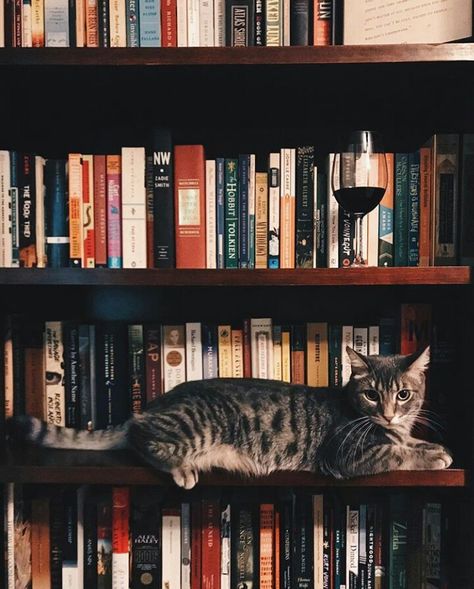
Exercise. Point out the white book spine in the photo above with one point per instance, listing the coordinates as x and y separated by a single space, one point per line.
261 345
318 540
193 352
286 22
361 340
274 206
274 29
374 340
174 362
219 23
333 222
120 574
182 22
171 551
206 23
133 207
10 534
193 23
252 198
40 214
5 211
54 367
70 578
347 340
56 23
118 30
26 24
211 244
185 546
225 547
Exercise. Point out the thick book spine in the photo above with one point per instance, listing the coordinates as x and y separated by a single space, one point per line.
224 345
85 405
401 210
41 542
28 252
211 237
211 544
299 22
193 352
332 247
244 210
266 546
164 234
15 173
397 542
303 573
220 212
118 23
145 531
261 347
323 17
386 217
426 204
287 208
56 23
335 366
413 208
274 23
150 23
133 208
304 207
174 351
70 553
114 212
240 23
317 355
244 546
231 241
54 373
56 214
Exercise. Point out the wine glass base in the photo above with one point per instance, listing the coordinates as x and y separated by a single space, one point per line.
358 262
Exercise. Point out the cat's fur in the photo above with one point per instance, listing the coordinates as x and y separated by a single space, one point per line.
254 426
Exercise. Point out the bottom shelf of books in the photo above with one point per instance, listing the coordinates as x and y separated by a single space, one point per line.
135 536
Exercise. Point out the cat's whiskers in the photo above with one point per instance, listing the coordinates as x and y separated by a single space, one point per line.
341 428
360 442
352 431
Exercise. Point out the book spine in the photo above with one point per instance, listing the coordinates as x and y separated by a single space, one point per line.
28 252
56 23
37 23
70 553
252 205
193 352
346 239
6 243
237 342
299 22
171 548
211 238
401 210
224 345
133 207
136 368
304 207
133 23
104 23
352 547
206 23
287 208
118 23
182 23
266 546
88 230
100 210
240 23
114 232
273 23
54 369
104 540
347 340
261 220
386 217
196 545
153 362
90 541
335 364
332 221
15 207
40 543
169 24
145 529
231 214
397 542
75 209
321 219
163 162
209 351
150 23
244 543
56 217
243 198
120 537
211 544
317 357
260 36
193 23
92 23
225 545
174 364
261 347
185 546
303 574
323 12
297 354
274 210
426 204
414 208
219 23
71 374
220 212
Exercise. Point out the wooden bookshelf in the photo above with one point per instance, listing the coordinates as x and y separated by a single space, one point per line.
432 276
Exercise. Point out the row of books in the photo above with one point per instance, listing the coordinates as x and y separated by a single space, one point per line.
165 23
95 375
173 207
120 537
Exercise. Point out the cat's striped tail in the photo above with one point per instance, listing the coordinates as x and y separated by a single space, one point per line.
35 431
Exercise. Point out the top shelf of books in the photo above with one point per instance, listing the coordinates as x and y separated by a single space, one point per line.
222 56
427 276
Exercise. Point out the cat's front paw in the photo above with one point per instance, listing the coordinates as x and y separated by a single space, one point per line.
436 457
186 478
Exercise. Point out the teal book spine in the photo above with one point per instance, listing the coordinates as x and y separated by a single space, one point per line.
414 209
133 23
220 205
401 209
150 23
231 213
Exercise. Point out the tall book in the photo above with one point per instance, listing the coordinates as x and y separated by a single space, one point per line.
163 210
231 199
426 179
150 23
56 214
88 230
190 206
244 545
211 543
274 210
120 537
287 208
304 207
171 548
401 210
133 207
100 210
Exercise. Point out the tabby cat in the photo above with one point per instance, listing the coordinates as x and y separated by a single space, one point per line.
254 426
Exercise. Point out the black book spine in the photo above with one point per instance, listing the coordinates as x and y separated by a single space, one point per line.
104 23
260 30
303 577
146 539
244 546
72 23
240 23
286 543
28 257
9 23
304 206
299 22
56 541
163 210
90 542
72 384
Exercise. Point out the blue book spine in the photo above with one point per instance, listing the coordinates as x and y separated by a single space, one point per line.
220 215
244 210
414 209
56 214
401 209
209 351
387 336
133 23
14 183
150 23
56 23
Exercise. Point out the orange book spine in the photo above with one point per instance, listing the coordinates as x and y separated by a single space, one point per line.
190 206
75 209
37 23
40 543
169 24
100 210
88 260
92 23
425 205
267 524
322 23
276 550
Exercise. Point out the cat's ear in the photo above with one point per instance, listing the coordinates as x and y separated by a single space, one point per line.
359 364
419 362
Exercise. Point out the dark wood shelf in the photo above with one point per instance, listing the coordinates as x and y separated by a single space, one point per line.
442 275
272 56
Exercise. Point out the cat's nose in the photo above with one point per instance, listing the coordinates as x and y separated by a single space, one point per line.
388 418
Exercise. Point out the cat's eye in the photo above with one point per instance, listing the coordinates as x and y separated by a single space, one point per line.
403 395
371 395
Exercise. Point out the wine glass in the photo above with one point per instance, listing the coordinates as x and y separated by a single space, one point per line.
359 180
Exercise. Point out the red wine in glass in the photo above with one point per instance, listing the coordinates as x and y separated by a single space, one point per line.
359 200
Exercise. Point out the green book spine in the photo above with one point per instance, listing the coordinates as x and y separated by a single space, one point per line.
231 213
398 535
401 209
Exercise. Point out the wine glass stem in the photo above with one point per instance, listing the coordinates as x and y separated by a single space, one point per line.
359 257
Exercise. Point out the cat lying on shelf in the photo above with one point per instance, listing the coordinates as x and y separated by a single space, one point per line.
255 426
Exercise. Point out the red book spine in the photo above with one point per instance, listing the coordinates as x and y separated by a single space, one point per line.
190 206
100 210
169 24
415 332
322 23
196 545
211 545
87 219
120 537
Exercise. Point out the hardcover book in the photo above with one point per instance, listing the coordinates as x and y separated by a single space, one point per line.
163 211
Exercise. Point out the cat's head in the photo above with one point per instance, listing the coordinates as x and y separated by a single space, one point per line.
388 389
